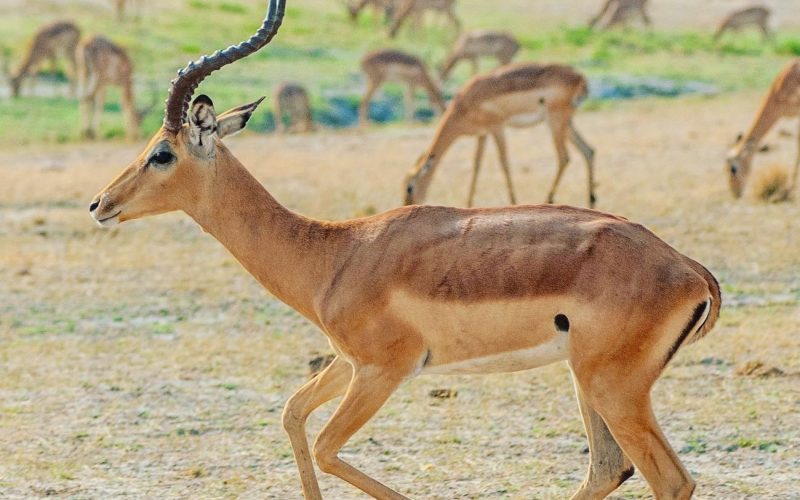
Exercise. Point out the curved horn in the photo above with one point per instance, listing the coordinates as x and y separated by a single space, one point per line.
183 87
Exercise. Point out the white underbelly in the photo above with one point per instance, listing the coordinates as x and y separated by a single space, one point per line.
499 335
526 119
511 361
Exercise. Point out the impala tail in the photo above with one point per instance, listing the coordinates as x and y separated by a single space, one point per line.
714 306
581 94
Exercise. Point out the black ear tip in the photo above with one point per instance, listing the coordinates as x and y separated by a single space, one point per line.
259 101
202 99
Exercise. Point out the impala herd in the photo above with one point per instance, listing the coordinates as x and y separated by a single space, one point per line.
425 289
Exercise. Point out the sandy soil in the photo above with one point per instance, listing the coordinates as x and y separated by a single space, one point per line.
144 362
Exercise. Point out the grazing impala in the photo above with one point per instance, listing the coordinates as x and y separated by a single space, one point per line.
291 100
782 101
620 12
54 41
379 7
757 16
437 290
102 63
480 43
519 95
416 8
388 65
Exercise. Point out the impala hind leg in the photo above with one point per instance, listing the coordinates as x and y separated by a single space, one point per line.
621 396
326 385
793 185
370 387
608 467
558 126
588 154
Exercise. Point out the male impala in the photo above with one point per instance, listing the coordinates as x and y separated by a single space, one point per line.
416 8
102 63
51 42
387 65
757 16
620 12
480 43
519 95
782 101
291 100
437 290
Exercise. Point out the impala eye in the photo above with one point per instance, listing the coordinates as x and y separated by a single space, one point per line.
734 169
161 158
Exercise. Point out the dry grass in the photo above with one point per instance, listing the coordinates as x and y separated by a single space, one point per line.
771 184
143 361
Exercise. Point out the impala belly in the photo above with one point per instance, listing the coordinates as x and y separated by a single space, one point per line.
521 108
485 336
401 72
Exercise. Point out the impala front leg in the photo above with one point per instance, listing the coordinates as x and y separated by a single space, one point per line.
326 385
479 146
368 391
502 152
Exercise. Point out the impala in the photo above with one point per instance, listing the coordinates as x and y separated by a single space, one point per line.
379 7
416 8
519 95
757 16
437 290
389 65
291 100
102 63
782 101
480 43
620 12
51 42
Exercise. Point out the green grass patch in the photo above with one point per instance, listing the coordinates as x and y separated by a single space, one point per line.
321 48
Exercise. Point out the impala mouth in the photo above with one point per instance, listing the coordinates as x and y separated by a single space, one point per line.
108 221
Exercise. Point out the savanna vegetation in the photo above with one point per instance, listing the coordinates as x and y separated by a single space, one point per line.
143 361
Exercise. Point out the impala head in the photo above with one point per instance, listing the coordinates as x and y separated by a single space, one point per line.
737 165
418 179
177 167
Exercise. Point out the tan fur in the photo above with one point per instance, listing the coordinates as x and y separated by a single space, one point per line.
380 8
757 16
388 65
521 94
781 101
435 288
292 99
123 8
387 291
102 63
51 42
480 43
416 8
616 12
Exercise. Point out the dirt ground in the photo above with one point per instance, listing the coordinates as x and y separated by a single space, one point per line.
143 361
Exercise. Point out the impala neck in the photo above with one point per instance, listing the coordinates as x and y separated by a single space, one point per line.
448 131
289 254
764 120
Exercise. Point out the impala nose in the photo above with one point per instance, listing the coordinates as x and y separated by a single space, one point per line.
94 205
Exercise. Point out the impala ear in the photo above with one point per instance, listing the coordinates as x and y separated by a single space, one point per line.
235 119
202 123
